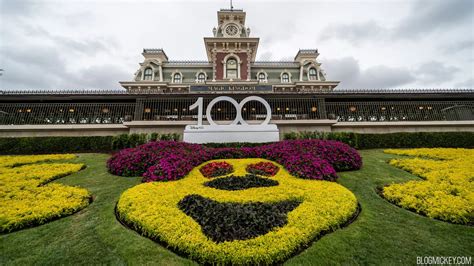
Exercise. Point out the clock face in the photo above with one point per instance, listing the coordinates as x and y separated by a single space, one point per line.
231 30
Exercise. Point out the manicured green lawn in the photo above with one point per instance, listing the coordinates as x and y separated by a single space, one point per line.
382 234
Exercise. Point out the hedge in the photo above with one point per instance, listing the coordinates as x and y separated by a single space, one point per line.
393 140
41 145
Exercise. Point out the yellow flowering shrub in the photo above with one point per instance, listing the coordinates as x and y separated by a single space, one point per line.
447 191
152 209
11 161
25 197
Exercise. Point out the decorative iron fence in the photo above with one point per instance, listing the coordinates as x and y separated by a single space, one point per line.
386 111
65 113
177 109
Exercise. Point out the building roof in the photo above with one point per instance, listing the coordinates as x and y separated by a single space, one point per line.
148 91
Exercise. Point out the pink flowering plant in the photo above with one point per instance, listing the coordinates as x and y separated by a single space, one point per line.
171 160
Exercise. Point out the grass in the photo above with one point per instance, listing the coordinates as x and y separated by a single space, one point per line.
382 234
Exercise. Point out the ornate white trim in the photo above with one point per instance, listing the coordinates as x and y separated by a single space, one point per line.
316 67
197 76
152 72
226 24
176 72
285 72
262 72
224 63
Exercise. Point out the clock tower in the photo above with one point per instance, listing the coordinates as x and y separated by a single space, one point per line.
231 50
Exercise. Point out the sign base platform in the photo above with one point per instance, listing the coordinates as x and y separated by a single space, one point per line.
231 133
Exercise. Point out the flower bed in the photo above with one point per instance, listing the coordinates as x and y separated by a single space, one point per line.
216 169
170 160
447 191
263 168
251 225
25 197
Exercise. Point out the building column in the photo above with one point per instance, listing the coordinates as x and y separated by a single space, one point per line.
301 73
160 70
249 58
214 64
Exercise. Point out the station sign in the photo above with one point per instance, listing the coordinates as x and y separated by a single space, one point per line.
231 88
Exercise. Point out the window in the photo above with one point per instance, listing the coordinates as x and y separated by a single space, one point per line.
261 77
312 74
201 78
285 78
177 78
231 68
148 75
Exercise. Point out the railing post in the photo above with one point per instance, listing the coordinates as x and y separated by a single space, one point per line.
322 108
139 107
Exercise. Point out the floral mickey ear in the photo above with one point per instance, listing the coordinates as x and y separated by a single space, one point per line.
263 168
215 169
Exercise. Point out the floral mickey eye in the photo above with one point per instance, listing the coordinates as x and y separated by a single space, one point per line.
263 168
215 169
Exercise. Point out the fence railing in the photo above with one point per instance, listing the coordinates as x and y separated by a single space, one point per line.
177 109
386 111
65 113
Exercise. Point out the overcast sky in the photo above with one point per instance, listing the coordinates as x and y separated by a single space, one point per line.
70 44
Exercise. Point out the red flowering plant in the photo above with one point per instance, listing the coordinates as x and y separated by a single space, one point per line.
263 168
216 169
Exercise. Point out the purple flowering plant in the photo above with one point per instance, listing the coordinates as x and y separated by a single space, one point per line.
172 160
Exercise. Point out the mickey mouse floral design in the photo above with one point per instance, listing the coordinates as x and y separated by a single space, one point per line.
238 217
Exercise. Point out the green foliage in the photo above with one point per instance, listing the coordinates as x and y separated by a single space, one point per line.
240 182
417 140
44 145
393 140
228 221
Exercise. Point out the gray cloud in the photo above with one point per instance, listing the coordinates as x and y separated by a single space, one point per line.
16 8
46 63
428 16
435 72
469 83
45 68
353 33
424 17
457 47
348 71
58 44
102 77
87 45
265 56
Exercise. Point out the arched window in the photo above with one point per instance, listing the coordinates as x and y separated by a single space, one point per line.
201 77
148 74
285 78
312 74
177 78
262 77
231 68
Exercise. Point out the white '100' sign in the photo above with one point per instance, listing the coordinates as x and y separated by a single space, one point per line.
238 107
